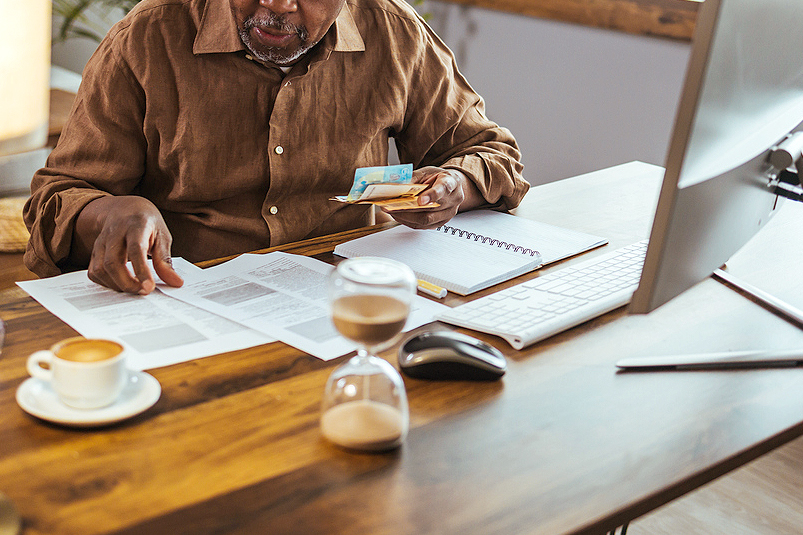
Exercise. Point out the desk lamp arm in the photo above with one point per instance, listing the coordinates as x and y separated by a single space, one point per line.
786 160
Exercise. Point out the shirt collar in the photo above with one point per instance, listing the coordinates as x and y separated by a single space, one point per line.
348 36
217 31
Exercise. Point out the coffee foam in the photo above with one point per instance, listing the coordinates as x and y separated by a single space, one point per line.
83 350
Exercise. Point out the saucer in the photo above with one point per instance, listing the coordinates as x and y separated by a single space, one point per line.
37 398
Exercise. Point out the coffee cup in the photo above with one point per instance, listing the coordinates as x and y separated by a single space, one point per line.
84 373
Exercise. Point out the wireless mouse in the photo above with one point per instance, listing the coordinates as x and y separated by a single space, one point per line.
450 355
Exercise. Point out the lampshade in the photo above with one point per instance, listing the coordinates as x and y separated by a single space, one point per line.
25 30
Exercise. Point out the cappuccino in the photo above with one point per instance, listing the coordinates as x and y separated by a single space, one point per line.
85 350
85 373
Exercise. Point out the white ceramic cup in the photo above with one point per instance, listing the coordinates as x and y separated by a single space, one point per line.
85 373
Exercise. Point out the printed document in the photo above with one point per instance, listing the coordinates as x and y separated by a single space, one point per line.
157 330
245 302
283 296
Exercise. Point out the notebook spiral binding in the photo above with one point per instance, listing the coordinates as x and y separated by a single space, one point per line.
487 240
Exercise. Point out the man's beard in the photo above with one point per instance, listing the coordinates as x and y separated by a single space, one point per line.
275 55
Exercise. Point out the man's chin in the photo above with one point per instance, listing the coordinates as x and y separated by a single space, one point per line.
281 58
282 61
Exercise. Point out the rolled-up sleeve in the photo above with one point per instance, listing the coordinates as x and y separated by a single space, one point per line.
446 126
101 151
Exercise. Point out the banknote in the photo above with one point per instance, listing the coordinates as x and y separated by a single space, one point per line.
392 197
389 187
403 203
388 174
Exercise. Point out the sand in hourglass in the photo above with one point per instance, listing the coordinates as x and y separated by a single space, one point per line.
364 425
369 319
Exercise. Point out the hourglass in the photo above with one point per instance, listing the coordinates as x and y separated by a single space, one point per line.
364 404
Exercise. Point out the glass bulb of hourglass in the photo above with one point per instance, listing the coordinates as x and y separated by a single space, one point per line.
365 404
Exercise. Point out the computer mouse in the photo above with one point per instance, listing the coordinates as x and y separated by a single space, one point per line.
450 355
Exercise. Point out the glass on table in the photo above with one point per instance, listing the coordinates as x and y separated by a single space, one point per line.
364 404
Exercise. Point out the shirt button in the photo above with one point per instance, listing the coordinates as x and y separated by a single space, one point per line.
249 57
273 210
279 149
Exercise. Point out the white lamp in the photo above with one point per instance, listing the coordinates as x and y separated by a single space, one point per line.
25 30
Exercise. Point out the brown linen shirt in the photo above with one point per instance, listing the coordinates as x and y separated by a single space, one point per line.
239 156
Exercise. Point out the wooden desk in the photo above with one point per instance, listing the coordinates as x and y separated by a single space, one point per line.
672 19
563 444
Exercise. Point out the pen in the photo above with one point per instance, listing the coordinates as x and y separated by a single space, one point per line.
713 361
431 289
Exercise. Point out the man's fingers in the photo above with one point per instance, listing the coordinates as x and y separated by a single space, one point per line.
97 275
103 270
444 189
122 242
116 271
163 264
441 188
423 219
131 228
166 272
137 253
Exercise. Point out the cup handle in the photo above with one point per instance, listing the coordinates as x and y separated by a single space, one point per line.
34 365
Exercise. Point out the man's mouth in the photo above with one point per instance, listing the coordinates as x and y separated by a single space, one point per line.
272 37
273 31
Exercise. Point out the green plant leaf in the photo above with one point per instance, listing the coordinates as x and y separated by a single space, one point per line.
76 23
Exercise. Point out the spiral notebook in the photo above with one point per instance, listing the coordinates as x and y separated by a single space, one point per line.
475 249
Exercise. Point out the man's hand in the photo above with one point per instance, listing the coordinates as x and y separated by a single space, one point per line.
111 231
449 188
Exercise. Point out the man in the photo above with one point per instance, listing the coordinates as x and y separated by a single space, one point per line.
206 128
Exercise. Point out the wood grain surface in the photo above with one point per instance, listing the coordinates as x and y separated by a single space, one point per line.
562 444
672 19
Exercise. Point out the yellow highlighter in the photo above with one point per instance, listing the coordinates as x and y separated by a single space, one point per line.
431 289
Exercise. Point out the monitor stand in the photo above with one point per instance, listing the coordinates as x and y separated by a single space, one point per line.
773 304
730 360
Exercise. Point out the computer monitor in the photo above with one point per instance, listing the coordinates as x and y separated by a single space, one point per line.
742 96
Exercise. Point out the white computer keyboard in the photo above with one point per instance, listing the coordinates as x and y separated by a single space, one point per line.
536 309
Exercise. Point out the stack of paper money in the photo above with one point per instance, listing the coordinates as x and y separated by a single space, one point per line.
388 186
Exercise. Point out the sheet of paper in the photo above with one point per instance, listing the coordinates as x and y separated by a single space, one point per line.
489 247
157 329
283 296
